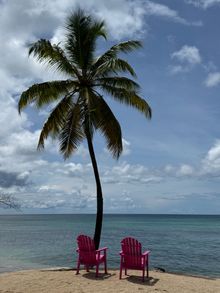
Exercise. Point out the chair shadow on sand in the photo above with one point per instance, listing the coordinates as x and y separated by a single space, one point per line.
101 277
138 280
133 279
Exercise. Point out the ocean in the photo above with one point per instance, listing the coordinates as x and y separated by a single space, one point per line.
188 244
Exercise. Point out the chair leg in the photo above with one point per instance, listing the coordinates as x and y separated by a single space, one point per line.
87 269
78 267
147 267
126 271
120 271
105 265
143 274
97 271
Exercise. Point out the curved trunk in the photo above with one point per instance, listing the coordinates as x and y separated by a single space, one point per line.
99 214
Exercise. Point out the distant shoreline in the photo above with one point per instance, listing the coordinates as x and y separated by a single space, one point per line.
107 214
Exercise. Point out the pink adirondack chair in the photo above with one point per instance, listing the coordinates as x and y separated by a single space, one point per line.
89 256
132 257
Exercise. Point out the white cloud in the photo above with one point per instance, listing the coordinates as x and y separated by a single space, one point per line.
126 147
122 204
203 3
214 152
169 169
185 170
213 79
189 54
132 174
44 17
208 167
211 163
71 187
113 11
210 66
174 69
51 198
162 10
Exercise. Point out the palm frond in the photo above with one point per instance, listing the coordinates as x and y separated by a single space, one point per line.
44 51
124 47
130 98
113 52
104 120
98 29
82 34
45 93
56 120
71 133
84 103
118 82
113 66
127 46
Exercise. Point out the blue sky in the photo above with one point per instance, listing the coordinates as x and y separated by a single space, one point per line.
170 164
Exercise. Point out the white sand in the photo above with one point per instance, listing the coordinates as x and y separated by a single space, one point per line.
58 281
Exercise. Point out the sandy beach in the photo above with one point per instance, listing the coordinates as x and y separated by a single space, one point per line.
65 281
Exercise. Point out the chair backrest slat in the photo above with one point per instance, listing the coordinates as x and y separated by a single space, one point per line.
87 250
132 251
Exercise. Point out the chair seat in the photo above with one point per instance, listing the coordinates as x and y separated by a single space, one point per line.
134 267
140 265
101 258
98 259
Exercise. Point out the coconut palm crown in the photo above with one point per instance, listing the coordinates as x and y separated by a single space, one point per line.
80 107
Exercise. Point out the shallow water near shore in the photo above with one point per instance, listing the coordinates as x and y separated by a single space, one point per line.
178 243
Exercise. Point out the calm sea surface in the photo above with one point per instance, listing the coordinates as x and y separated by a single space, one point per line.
185 244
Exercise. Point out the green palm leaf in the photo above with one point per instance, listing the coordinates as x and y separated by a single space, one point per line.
44 51
112 53
104 120
119 82
113 66
130 98
45 93
56 120
82 34
71 133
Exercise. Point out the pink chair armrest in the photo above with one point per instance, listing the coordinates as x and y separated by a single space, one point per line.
101 249
146 253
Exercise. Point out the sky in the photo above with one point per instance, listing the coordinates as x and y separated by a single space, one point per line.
170 164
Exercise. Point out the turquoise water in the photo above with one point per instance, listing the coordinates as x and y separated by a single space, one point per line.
182 244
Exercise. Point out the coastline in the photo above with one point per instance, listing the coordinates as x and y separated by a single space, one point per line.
65 280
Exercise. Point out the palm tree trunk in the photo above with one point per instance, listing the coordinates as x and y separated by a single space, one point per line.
99 214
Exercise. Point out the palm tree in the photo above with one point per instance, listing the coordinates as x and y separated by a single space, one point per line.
80 106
